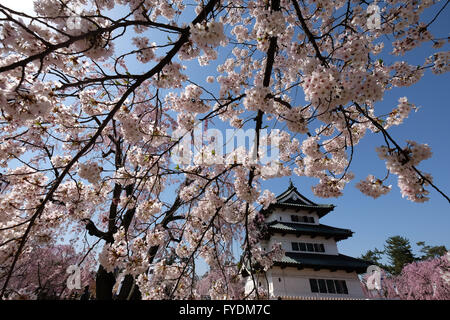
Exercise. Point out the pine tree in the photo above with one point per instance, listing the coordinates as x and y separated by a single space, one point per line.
399 252
431 252
374 256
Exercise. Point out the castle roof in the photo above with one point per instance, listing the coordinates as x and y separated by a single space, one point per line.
322 261
292 199
309 229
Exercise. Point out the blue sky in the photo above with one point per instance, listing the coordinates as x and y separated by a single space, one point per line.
373 221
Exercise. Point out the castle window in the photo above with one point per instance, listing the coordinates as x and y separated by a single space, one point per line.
328 286
313 284
307 247
341 286
322 286
302 219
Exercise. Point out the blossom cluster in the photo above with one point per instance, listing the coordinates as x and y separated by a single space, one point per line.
399 114
90 171
208 35
373 187
188 101
146 51
420 280
441 62
403 164
405 74
147 209
258 98
413 38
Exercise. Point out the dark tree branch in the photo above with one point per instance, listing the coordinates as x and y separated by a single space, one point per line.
308 33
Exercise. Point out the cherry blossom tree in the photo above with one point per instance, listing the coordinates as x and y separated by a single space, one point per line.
214 283
423 280
42 273
87 139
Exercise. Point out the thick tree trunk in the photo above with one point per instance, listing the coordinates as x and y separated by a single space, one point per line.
129 290
104 284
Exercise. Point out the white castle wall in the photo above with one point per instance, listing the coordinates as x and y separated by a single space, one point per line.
329 244
293 283
290 282
285 216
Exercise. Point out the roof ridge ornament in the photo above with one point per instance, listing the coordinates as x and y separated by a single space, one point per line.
291 198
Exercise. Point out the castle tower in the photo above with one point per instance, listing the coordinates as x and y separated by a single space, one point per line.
312 267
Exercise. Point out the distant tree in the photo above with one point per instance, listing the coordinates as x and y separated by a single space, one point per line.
431 252
43 274
374 256
399 252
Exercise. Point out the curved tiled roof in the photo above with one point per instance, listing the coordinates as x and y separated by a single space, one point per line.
323 261
291 198
309 229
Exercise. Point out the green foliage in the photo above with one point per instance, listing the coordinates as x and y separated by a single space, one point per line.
399 253
374 256
431 252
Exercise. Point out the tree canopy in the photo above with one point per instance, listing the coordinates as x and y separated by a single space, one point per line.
112 115
398 253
